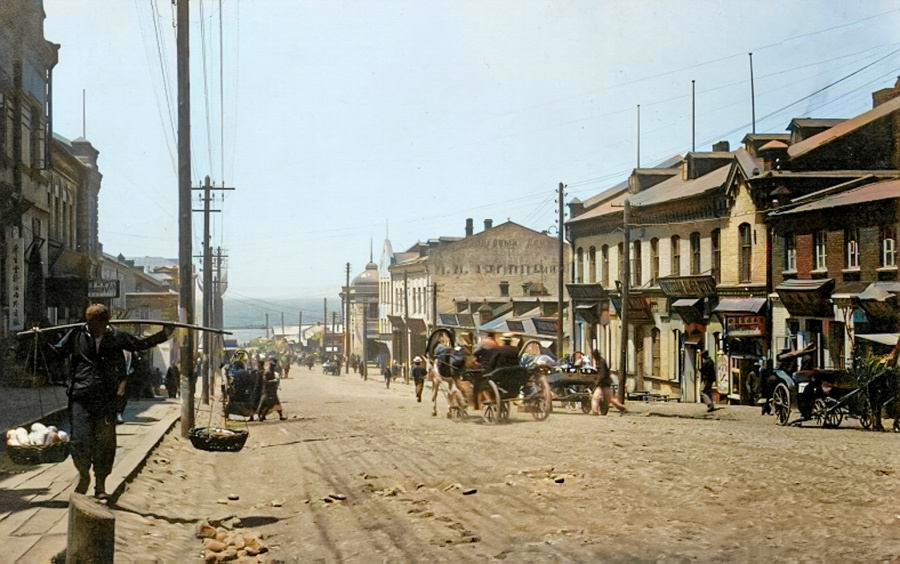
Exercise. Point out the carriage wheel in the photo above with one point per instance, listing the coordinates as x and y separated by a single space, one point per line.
781 403
865 418
542 398
504 412
490 404
604 405
833 417
586 406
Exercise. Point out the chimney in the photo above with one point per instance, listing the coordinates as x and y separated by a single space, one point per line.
886 94
721 146
504 288
469 227
576 208
488 223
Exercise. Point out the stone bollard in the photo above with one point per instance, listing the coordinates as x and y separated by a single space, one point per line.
92 532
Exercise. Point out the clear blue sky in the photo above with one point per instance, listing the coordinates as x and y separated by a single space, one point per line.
340 116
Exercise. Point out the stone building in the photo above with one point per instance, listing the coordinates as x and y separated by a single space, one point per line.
363 327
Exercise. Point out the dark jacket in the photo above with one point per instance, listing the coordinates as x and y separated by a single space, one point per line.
95 373
707 372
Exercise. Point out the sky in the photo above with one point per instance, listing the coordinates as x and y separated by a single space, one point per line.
338 122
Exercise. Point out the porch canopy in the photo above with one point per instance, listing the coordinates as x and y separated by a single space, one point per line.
880 299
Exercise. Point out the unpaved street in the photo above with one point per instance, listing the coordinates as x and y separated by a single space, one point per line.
647 487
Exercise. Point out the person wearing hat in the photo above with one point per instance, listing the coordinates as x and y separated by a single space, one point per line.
418 374
97 365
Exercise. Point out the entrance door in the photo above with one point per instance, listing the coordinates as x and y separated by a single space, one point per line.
690 392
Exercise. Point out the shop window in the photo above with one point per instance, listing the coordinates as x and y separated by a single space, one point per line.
746 251
851 256
790 253
579 265
654 260
716 252
676 255
636 264
592 265
604 266
820 239
695 253
621 249
888 246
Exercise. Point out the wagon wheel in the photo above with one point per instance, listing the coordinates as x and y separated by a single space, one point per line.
604 405
781 403
541 399
504 412
490 404
585 406
832 417
865 418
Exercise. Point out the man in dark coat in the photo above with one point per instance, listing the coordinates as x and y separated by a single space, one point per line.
97 365
708 380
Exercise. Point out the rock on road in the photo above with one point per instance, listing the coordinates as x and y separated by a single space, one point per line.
574 488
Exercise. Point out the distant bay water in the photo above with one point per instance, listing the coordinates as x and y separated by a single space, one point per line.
246 317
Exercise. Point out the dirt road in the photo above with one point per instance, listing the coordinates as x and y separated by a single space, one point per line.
575 488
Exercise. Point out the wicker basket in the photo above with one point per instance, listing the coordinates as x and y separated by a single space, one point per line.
33 454
207 438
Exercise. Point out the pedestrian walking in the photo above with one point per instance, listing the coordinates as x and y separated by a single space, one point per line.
269 401
418 375
708 379
96 357
603 386
172 381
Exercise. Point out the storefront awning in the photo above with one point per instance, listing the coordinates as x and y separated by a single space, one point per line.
586 292
416 325
588 313
689 309
879 299
638 310
889 339
807 298
696 286
397 322
448 320
740 305
466 320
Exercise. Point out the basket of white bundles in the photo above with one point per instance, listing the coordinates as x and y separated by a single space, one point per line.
42 444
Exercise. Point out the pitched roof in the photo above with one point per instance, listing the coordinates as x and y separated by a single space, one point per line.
610 206
877 191
774 144
842 128
815 122
677 189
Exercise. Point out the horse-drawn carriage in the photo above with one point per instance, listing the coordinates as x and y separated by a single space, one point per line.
491 391
827 397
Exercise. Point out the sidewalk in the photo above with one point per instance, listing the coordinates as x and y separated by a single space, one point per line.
34 504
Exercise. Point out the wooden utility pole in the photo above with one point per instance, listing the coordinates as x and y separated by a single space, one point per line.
347 322
267 326
324 327
434 312
185 270
365 337
752 97
625 276
283 332
407 358
300 329
560 276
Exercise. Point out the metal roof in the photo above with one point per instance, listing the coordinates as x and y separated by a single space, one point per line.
677 188
843 128
815 122
774 144
740 305
884 190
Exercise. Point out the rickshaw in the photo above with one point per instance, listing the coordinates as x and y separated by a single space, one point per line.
240 387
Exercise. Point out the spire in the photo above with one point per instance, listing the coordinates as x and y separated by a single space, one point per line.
387 234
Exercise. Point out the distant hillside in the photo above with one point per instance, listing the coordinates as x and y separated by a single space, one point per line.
251 312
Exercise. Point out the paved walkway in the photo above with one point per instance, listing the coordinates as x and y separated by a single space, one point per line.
34 504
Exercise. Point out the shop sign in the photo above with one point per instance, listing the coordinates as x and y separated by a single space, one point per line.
15 278
745 325
688 286
103 289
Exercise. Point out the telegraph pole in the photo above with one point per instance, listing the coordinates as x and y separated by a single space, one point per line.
283 332
560 273
347 322
185 271
267 326
324 327
434 312
365 358
300 329
408 357
623 312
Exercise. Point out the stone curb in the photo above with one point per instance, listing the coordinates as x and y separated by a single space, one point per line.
132 463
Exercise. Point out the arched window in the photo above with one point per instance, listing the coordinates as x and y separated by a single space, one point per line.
695 253
676 255
592 265
604 265
654 260
579 265
745 256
